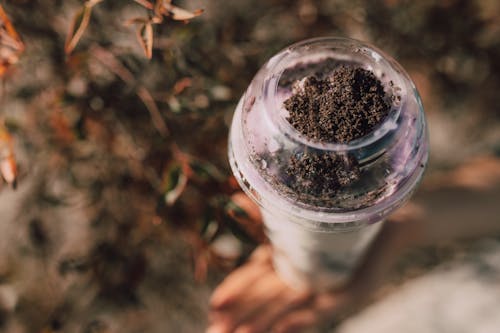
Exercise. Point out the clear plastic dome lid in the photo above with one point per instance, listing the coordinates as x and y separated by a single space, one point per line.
285 167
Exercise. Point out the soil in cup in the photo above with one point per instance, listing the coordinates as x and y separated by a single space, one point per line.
331 102
343 106
340 108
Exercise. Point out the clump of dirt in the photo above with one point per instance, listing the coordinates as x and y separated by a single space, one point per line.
343 107
322 175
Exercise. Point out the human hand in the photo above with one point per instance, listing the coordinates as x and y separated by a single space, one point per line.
253 298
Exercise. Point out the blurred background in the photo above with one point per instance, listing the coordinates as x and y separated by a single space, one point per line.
122 218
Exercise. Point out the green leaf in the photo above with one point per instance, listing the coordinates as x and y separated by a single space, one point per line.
205 170
175 182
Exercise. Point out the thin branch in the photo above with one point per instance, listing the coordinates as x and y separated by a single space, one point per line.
150 104
145 4
109 60
78 26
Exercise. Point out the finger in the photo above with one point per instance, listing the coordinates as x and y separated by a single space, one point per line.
262 254
236 283
286 301
254 302
330 302
243 277
219 327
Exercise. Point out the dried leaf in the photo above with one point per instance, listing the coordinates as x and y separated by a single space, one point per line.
184 15
108 59
204 170
158 9
8 167
92 3
182 84
179 14
153 110
200 266
11 46
78 26
145 38
209 226
145 3
113 64
175 181
237 230
136 20
157 19
61 127
244 216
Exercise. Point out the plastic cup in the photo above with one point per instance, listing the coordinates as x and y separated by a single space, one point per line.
318 243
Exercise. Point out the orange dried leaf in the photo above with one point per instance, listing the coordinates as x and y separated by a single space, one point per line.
61 127
78 26
158 8
157 19
145 3
180 14
181 85
136 20
8 167
200 267
145 38
177 13
11 45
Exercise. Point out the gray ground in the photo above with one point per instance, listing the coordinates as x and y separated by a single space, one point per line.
460 296
33 290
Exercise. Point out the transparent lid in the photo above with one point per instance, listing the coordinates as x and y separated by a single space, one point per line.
284 169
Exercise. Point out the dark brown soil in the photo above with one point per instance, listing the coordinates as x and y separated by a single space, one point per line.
344 104
322 175
343 107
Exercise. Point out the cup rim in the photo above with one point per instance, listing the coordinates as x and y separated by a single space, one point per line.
286 57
